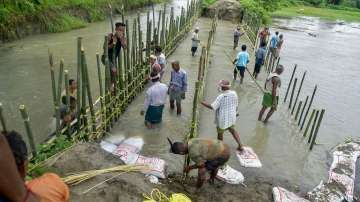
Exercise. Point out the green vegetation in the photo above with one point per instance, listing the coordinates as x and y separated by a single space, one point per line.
18 16
207 3
323 13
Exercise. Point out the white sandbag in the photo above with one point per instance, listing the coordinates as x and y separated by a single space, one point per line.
107 146
340 185
230 175
282 195
126 154
136 142
156 166
248 158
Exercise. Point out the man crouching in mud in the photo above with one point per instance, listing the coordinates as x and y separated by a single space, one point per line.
207 154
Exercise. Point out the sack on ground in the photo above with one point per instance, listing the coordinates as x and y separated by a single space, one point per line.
248 158
230 175
282 195
156 166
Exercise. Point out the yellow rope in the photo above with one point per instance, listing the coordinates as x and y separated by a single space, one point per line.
157 196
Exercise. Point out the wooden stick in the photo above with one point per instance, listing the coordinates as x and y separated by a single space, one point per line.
309 122
313 141
88 89
102 104
2 119
308 109
52 74
66 74
313 125
303 109
111 19
78 81
291 79
58 99
29 133
298 110
299 90
292 93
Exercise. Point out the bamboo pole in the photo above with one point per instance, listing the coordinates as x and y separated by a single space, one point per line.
298 110
58 98
291 79
292 93
52 75
299 90
313 141
29 133
158 40
303 109
78 81
88 89
2 119
308 109
309 122
163 28
107 84
102 104
153 16
313 126
66 75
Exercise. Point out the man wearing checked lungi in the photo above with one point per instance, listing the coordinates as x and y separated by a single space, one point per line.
155 99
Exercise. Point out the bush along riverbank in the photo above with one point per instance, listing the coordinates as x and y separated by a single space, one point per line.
22 18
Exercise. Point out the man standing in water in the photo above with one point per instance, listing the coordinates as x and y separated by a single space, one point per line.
207 154
237 35
225 107
259 59
177 86
195 41
241 61
160 59
271 95
273 43
155 99
279 45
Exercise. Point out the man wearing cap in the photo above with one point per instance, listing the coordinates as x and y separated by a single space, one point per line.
177 86
195 41
271 95
225 107
155 99
207 155
237 35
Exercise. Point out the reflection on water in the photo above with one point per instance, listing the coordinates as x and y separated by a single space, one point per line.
24 69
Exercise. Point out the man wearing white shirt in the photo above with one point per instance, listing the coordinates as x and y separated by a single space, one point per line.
155 99
195 41
225 106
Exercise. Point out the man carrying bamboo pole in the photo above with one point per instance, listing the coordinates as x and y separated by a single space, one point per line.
271 95
48 187
225 107
195 41
259 59
177 86
155 99
241 61
207 155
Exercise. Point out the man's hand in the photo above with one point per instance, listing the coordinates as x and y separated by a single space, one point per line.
142 112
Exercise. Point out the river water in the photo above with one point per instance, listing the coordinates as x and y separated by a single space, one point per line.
25 75
330 59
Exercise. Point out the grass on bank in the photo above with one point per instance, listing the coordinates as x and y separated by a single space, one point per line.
332 14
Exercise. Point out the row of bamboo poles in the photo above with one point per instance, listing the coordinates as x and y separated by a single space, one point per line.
95 118
251 24
200 84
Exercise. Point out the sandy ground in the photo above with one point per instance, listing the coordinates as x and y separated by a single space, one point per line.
131 186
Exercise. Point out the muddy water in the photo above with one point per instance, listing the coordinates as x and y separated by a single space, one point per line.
25 76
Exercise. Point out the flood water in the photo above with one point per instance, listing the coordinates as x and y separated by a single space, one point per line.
330 59
25 74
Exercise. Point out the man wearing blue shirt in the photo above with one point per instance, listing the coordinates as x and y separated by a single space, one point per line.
241 61
273 43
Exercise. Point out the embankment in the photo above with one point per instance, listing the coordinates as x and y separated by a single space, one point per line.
21 19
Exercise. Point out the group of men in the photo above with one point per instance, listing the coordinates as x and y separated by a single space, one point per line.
210 154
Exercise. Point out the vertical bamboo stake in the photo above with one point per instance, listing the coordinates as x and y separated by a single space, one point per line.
103 117
163 29
58 99
107 85
52 74
78 81
309 122
2 119
153 16
291 79
66 75
313 126
88 89
159 29
308 109
292 93
317 128
299 90
298 110
29 133
303 109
